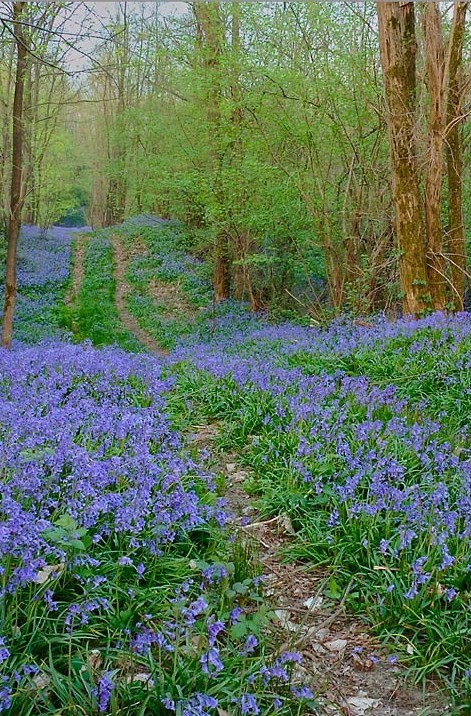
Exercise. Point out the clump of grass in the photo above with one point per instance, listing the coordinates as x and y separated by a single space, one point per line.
362 437
121 590
93 315
43 269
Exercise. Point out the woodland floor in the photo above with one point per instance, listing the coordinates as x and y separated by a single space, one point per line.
122 290
340 655
77 268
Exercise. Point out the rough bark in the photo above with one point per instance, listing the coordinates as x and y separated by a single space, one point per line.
14 221
120 188
397 41
456 243
240 240
211 39
435 78
222 272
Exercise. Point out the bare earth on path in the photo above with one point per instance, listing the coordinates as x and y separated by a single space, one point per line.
342 660
78 268
122 290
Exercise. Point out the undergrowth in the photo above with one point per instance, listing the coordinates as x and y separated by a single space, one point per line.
358 432
93 314
367 448
121 589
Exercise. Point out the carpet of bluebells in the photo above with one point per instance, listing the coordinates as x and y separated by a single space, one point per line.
121 589
184 314
43 273
359 431
361 434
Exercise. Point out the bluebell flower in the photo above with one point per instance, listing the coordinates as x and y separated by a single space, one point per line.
211 663
302 692
248 705
103 692
249 645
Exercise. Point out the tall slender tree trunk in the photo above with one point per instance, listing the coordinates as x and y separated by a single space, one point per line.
5 167
397 42
16 198
240 239
456 243
435 78
222 263
211 38
120 188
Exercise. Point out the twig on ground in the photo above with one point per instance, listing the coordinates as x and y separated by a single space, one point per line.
327 622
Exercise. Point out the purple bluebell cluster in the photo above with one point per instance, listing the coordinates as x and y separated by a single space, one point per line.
44 256
92 475
42 273
227 666
86 439
344 433
238 334
98 494
103 692
366 427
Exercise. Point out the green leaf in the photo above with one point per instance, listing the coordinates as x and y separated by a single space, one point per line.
55 534
36 453
77 544
239 630
333 589
67 522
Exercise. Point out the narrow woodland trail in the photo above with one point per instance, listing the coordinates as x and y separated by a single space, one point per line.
342 661
122 289
78 268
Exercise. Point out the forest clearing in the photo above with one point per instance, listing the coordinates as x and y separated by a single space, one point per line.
235 373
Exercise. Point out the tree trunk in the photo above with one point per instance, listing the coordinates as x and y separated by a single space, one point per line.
435 77
120 187
210 33
5 166
239 242
456 243
222 274
398 59
14 222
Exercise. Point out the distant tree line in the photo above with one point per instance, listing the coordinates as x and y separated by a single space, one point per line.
303 144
